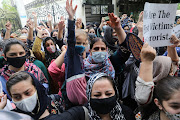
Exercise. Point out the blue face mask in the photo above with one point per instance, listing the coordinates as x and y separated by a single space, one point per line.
79 49
126 31
104 27
99 57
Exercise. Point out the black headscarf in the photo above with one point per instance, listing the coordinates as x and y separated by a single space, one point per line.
110 40
42 99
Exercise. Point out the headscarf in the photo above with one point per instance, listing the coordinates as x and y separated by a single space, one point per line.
42 99
110 40
104 67
50 56
161 67
116 112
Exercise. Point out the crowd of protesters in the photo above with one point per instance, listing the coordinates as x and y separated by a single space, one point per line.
99 71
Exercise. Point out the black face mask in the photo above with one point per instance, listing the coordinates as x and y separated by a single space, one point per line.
115 39
16 62
103 106
91 36
55 38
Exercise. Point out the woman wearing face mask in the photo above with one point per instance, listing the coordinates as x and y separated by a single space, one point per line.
15 55
38 43
91 34
103 101
111 38
91 30
154 68
50 50
166 101
29 97
99 60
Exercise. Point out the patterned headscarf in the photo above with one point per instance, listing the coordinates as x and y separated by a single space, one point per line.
116 112
104 67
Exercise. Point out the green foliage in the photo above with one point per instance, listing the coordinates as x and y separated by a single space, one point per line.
8 7
178 6
9 14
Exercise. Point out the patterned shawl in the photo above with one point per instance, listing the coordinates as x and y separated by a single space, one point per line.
104 67
116 112
29 67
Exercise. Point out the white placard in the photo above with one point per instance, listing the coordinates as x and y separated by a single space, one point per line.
176 31
158 22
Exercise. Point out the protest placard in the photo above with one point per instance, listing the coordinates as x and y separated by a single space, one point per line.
158 22
176 31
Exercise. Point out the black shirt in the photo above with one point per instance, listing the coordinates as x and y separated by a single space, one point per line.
74 113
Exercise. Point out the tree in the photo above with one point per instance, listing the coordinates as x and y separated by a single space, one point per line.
178 6
6 4
9 14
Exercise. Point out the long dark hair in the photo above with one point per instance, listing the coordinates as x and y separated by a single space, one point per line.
164 89
50 56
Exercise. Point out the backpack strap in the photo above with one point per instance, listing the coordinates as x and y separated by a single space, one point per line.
86 113
3 81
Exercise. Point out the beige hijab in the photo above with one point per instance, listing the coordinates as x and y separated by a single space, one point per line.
161 67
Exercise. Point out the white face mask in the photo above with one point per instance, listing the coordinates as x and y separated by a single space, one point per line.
99 56
24 34
27 104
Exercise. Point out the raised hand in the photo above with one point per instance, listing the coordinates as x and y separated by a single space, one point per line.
64 48
8 25
78 23
140 22
30 24
175 41
103 20
114 22
61 24
49 17
69 8
140 26
34 14
3 101
44 24
148 53
124 16
141 16
39 31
